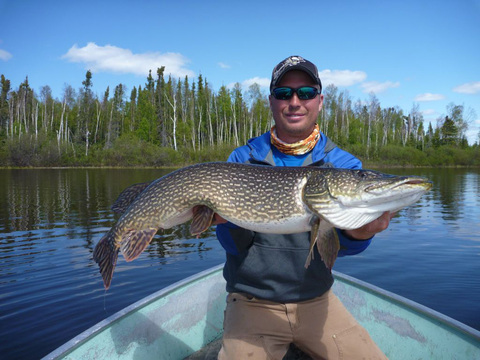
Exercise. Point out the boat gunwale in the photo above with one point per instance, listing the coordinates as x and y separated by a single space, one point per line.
83 337
428 313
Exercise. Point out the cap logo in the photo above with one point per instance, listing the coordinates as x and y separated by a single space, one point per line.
291 61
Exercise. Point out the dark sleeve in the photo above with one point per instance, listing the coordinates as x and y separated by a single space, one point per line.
349 246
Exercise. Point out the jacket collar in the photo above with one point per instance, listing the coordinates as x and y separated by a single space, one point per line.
261 152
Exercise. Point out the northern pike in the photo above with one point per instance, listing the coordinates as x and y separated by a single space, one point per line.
268 199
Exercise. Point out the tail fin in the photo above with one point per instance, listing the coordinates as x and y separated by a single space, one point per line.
106 255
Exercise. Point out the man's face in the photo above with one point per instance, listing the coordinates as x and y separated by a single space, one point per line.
295 119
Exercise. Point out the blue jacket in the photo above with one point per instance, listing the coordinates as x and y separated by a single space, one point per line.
271 266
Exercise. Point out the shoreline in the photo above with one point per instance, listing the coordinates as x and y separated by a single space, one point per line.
366 165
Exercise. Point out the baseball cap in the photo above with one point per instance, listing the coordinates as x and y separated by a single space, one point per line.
294 63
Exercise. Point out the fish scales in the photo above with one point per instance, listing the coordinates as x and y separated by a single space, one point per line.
260 198
231 194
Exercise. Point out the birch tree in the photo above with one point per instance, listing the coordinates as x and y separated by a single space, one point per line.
4 106
171 98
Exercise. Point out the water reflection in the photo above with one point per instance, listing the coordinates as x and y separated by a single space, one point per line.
41 198
455 191
44 199
50 288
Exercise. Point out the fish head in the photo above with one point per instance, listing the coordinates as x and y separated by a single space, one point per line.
368 187
353 198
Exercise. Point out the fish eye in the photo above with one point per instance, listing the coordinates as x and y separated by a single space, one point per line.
368 174
362 174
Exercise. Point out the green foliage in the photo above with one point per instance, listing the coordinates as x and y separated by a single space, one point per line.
178 122
453 156
396 155
404 156
217 153
449 132
4 155
129 150
145 115
28 151
5 89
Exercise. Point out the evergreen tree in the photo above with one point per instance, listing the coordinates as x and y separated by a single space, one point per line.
224 109
449 132
145 117
150 87
436 140
190 116
133 107
429 136
85 111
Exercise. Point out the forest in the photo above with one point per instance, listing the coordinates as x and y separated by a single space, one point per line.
175 122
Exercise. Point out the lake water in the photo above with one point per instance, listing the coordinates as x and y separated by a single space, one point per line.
50 221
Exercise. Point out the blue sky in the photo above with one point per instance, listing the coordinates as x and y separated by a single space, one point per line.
406 52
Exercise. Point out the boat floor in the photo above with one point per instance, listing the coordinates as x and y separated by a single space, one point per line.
210 352
183 317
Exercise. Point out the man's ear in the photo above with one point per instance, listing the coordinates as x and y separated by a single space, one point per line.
320 105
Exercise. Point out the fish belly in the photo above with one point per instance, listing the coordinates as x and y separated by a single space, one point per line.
291 225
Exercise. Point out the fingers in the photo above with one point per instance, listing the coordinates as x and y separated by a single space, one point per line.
381 223
392 214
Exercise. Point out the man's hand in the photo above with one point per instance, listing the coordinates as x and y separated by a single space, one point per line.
370 229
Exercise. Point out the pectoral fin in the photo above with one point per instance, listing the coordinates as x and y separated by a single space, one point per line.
328 244
313 240
202 219
135 241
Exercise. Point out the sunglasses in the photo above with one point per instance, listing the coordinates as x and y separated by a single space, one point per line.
303 93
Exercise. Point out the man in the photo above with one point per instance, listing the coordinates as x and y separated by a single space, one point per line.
273 299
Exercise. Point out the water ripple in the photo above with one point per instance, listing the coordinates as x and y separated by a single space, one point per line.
51 290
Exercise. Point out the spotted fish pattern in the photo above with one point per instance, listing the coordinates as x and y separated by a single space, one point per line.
265 199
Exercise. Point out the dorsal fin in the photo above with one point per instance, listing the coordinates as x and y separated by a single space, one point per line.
127 196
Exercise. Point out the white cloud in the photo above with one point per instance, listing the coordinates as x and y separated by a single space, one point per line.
263 82
110 58
336 77
223 65
378 87
429 97
341 77
468 88
5 55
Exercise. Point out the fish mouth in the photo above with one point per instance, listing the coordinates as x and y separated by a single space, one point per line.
413 183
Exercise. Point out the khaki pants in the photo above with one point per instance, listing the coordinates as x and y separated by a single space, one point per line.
321 327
